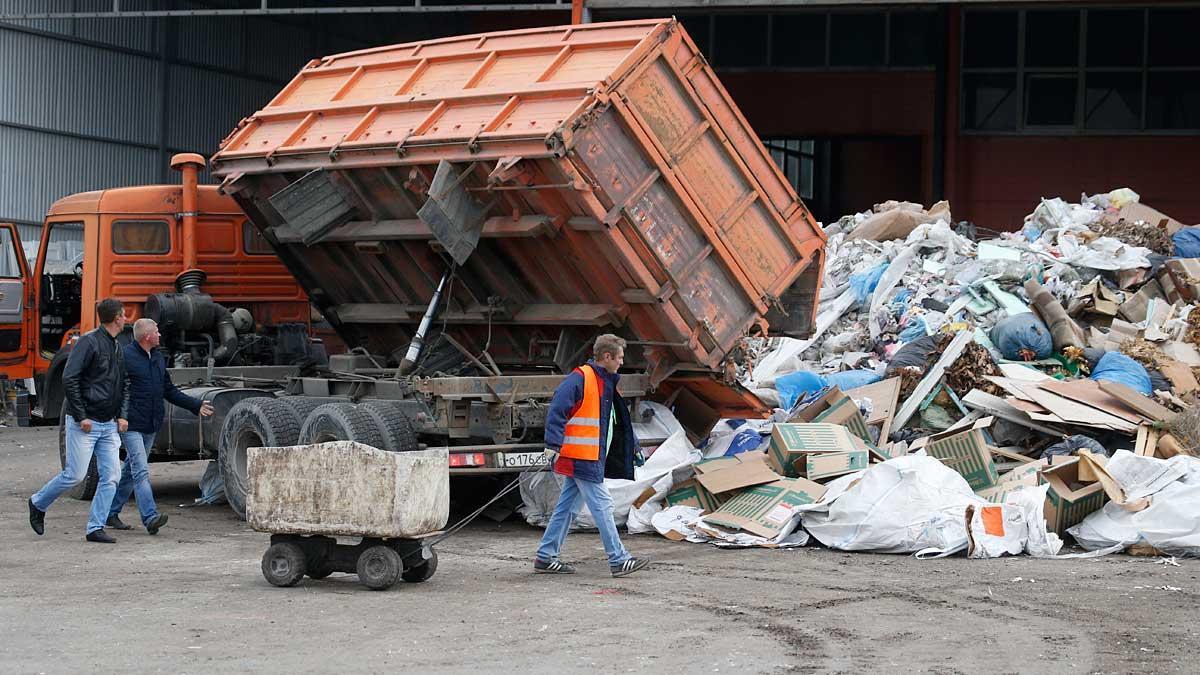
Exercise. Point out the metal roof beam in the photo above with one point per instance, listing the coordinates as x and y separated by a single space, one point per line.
264 10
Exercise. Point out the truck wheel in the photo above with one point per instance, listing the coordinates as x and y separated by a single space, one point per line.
422 572
283 564
379 567
85 489
394 425
303 406
340 422
253 423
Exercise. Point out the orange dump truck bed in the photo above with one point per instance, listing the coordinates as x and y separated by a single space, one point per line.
577 179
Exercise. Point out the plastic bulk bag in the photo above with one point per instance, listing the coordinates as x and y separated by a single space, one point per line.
904 505
994 530
1187 242
1023 337
1116 367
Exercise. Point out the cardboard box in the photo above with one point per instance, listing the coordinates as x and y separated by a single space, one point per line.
1027 474
763 510
728 474
691 493
1180 279
816 451
965 451
1069 500
1138 211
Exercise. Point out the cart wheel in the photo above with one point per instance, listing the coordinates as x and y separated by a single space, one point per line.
379 567
422 572
283 564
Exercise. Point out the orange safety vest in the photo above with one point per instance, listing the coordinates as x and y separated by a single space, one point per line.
581 437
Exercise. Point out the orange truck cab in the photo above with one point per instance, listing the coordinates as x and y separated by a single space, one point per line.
184 255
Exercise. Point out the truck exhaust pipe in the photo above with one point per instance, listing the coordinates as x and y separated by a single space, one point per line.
189 164
418 341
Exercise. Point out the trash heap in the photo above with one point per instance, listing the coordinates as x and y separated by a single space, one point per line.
963 390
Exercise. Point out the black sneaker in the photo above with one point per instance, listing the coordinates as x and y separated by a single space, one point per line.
100 537
37 518
629 566
552 567
156 522
115 523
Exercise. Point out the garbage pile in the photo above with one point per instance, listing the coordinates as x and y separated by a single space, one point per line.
963 391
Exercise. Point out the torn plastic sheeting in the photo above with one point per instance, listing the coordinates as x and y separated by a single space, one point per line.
654 420
864 283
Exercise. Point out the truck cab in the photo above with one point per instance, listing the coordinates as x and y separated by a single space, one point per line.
133 243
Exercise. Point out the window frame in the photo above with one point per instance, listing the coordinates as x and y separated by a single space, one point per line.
113 236
1080 71
248 227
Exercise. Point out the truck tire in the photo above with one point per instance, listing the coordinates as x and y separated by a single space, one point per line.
283 564
422 572
85 489
379 567
394 425
341 422
261 421
303 406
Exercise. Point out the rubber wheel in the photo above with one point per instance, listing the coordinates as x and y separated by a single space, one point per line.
422 572
283 564
394 426
379 568
303 406
341 422
85 489
260 422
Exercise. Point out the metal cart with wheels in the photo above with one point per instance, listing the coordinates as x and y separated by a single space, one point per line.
309 496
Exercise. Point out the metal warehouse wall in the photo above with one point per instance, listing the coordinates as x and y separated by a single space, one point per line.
88 104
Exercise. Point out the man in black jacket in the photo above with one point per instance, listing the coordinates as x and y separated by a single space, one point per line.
149 384
94 384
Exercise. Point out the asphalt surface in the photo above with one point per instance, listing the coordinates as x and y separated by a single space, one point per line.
193 600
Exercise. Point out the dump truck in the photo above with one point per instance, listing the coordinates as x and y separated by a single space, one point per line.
469 213
184 255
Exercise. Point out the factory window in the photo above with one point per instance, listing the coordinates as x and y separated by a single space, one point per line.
1081 70
872 39
796 158
253 242
857 39
141 236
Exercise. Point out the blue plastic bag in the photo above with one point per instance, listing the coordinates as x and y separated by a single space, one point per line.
794 386
1116 367
744 440
852 379
1187 242
863 284
1023 337
915 330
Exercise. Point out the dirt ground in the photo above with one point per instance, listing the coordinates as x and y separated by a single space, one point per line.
192 600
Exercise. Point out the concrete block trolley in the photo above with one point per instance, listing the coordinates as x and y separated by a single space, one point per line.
307 496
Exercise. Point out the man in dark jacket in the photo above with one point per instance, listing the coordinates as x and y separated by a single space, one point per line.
94 386
149 384
589 431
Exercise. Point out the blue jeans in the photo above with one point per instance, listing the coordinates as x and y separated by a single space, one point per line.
105 442
599 502
135 476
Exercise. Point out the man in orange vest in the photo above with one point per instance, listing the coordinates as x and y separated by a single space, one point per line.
589 430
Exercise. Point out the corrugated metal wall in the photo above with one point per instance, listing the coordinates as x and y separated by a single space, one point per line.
82 101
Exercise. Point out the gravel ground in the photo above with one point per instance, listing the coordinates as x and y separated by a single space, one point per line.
192 600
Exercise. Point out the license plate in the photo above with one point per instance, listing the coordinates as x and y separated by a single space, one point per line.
522 460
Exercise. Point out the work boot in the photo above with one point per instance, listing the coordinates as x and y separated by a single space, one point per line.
37 518
156 522
552 567
629 566
100 537
114 521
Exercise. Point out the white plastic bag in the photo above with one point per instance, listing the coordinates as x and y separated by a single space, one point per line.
994 530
